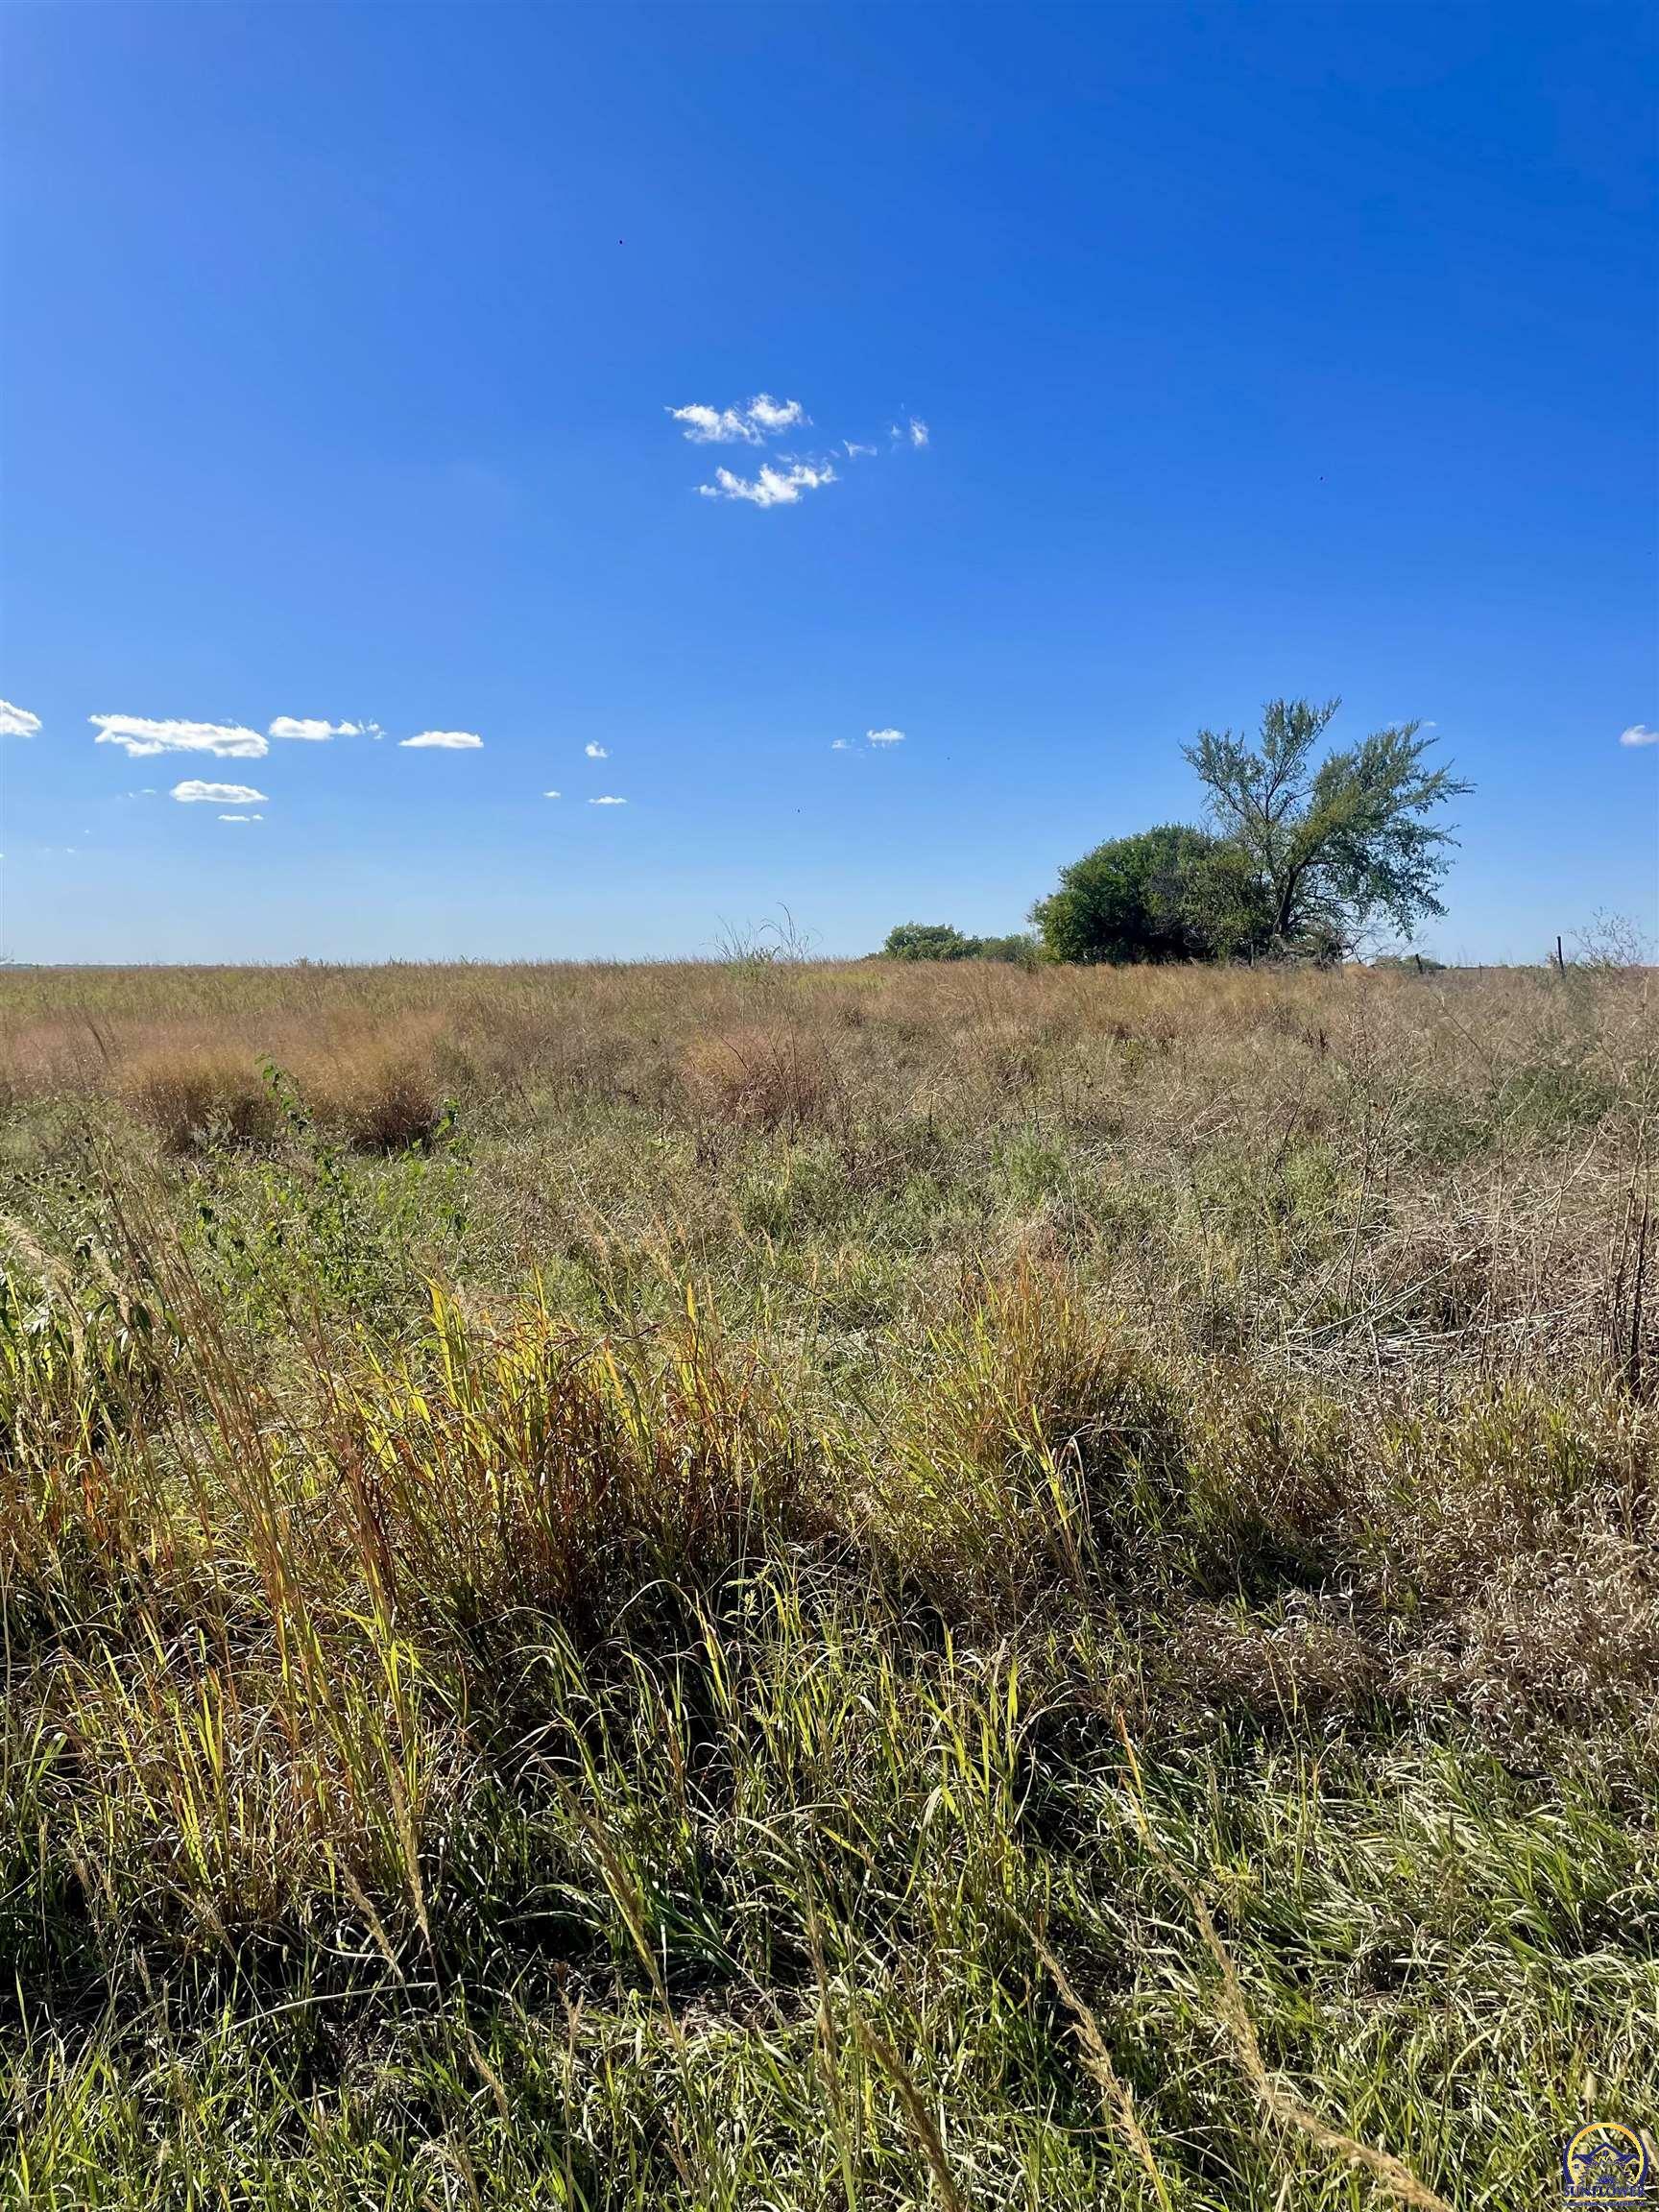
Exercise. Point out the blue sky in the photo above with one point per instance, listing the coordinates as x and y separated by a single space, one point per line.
1260 350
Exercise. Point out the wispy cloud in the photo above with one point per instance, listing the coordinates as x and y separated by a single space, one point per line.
140 737
318 733
194 792
596 752
784 480
607 801
241 817
1638 733
772 487
841 745
751 424
885 736
552 794
17 721
444 740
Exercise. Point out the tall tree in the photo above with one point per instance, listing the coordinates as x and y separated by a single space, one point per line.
1336 844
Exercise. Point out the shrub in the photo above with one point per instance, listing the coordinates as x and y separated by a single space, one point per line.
939 941
1174 893
1020 951
929 940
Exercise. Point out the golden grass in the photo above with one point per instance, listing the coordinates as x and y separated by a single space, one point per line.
582 1552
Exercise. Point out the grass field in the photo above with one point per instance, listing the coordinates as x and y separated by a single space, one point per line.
802 1586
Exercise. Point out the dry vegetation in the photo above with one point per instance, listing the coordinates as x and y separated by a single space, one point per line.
767 1585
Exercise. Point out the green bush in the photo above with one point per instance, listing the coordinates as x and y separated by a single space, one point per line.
929 940
1173 892
939 941
1020 951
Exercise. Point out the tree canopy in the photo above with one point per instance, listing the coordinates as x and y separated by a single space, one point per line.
928 941
1302 859
1173 892
1333 847
941 941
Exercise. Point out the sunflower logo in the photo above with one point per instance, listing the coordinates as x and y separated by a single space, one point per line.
1605 2163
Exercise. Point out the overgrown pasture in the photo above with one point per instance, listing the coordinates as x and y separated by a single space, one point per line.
785 1585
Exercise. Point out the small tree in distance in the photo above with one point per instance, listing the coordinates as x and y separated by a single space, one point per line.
1332 848
928 941
939 941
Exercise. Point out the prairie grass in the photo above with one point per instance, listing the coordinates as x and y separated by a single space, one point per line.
770 1586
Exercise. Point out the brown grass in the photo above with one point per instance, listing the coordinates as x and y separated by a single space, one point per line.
612 1610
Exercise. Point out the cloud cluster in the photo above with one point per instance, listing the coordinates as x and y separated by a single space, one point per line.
879 738
751 424
140 737
194 792
772 487
607 801
596 752
17 721
319 732
784 482
1638 733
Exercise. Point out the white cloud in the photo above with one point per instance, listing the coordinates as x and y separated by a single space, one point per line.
17 721
841 745
853 449
772 487
316 733
448 740
1638 733
241 817
715 425
918 432
885 736
552 794
192 791
607 802
751 425
595 752
774 415
229 740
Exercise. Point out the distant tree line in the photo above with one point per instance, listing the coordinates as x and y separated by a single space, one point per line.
939 941
1301 860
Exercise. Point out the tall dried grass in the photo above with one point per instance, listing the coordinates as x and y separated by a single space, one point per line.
581 1558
